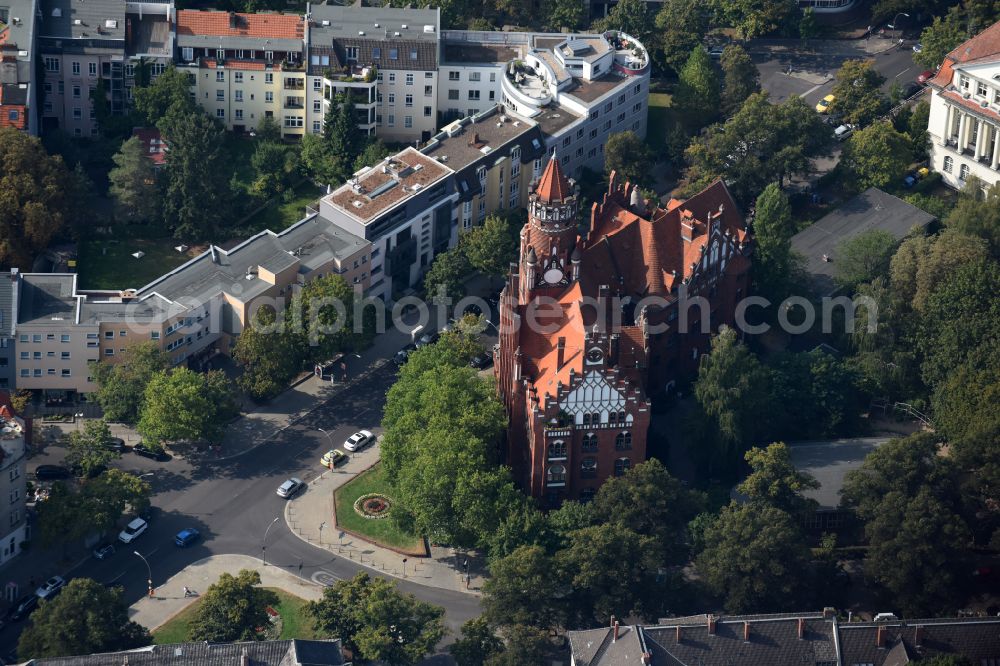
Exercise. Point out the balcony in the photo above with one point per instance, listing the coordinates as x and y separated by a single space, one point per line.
352 74
525 85
295 84
295 103
631 57
292 66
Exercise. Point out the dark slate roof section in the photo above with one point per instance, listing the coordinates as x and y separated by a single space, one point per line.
598 647
92 15
370 28
829 462
773 640
258 653
977 639
872 209
47 298
8 303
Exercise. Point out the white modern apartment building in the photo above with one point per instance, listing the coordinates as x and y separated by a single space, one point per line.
578 88
13 478
964 124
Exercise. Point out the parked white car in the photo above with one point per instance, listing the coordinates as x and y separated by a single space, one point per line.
359 440
133 530
50 588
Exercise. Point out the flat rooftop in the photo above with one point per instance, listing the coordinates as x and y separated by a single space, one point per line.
47 298
466 141
588 48
829 462
872 209
589 91
149 35
553 119
374 22
471 53
98 19
391 181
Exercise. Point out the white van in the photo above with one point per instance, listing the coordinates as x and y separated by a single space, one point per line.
133 530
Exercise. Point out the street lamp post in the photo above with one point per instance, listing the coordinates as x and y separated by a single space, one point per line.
321 526
895 23
263 542
328 436
149 572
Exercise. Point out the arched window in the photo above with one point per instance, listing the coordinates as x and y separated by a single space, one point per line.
557 449
613 418
586 418
589 442
621 466
623 441
588 468
556 474
595 418
621 417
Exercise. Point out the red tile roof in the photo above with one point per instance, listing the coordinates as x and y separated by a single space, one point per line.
985 45
211 23
210 63
153 144
553 185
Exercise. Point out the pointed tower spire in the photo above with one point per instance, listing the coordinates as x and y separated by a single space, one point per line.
553 186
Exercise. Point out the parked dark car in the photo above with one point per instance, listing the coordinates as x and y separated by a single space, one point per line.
104 551
95 471
403 355
480 361
428 338
141 449
911 89
115 444
23 608
51 473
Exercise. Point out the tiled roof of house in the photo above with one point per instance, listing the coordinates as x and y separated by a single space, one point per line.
553 186
599 646
985 45
903 641
231 24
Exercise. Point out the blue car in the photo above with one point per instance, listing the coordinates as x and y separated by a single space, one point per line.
186 537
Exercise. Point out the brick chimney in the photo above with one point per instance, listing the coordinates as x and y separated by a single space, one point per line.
918 636
679 633
746 632
802 628
880 637
711 625
614 629
560 352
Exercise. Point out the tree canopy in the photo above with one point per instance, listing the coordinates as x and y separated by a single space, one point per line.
69 516
233 608
863 257
269 354
877 156
698 91
858 94
755 18
135 183
85 618
122 385
774 480
89 449
626 154
377 622
740 77
183 405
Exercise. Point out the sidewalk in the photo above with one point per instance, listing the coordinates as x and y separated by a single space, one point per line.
795 47
310 518
152 612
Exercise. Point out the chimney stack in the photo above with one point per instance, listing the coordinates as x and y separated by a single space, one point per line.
880 637
746 632
245 658
614 636
829 612
679 634
711 625
918 636
802 628
560 353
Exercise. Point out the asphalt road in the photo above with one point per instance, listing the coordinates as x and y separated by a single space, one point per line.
232 504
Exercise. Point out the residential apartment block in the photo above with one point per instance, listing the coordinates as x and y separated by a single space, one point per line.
149 42
245 67
818 639
8 320
82 47
18 94
964 124
14 434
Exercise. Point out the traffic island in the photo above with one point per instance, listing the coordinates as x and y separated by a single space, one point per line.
363 508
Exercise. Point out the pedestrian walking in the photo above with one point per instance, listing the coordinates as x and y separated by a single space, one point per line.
187 592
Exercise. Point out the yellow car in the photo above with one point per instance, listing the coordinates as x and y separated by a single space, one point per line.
823 106
332 458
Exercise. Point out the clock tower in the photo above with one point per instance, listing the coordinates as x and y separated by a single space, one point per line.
549 240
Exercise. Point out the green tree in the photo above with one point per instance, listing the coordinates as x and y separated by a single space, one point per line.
316 161
940 38
524 645
632 17
477 644
876 156
490 247
681 25
773 230
863 257
740 77
234 608
809 27
68 516
374 152
447 274
816 394
183 405
978 213
923 263
323 315
761 143
559 14
626 154
917 130
733 389
36 204
755 558
268 130
774 481
169 93
698 95
86 618
269 356
196 174
858 93
965 408
121 386
526 588
274 164
649 501
377 622
755 18
134 183
89 448
341 136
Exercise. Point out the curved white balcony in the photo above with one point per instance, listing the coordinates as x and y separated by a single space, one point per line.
631 57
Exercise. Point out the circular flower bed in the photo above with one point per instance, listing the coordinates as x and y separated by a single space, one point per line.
374 506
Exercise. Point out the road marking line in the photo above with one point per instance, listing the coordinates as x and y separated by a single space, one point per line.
812 90
903 72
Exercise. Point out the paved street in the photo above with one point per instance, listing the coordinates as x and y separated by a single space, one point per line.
233 502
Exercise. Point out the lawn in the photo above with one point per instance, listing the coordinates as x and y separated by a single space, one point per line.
383 531
660 118
294 621
281 215
107 262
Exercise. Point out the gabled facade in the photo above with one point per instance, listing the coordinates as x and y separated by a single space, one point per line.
18 94
964 123
589 324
